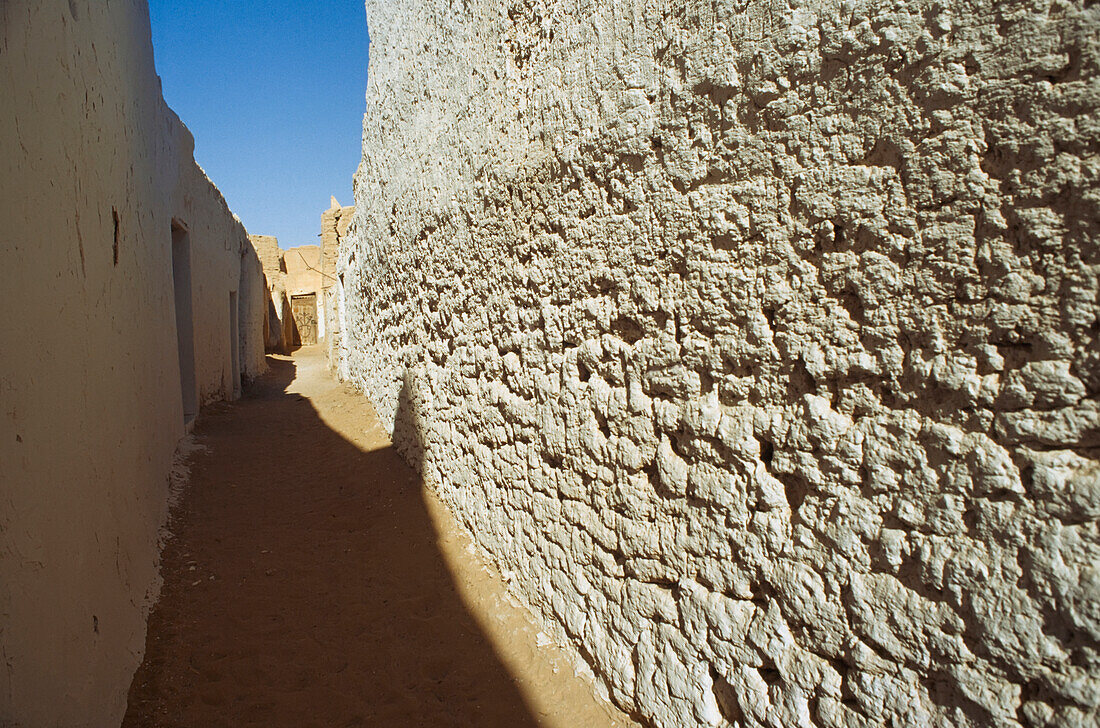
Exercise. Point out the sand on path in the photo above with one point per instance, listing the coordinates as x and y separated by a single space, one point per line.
311 580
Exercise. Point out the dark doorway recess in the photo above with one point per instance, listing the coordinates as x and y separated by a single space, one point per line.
185 327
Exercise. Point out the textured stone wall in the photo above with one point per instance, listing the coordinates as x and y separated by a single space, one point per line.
335 223
756 341
334 226
95 170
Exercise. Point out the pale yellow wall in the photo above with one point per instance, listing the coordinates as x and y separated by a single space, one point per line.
271 255
303 270
252 307
304 276
280 331
90 408
222 241
335 222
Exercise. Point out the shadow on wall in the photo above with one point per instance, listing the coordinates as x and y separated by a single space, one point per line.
408 432
295 335
272 329
305 585
281 334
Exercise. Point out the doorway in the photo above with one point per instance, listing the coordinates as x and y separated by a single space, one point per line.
185 332
234 346
304 311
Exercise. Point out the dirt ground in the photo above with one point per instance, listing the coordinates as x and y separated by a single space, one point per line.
312 581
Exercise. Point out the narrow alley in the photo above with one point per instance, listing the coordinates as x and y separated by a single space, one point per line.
694 364
310 579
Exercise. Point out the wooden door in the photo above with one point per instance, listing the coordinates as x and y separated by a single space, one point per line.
304 310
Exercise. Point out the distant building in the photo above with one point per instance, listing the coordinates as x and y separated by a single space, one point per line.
278 326
304 287
294 316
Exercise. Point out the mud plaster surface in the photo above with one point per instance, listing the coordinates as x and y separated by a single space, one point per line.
759 341
312 581
95 170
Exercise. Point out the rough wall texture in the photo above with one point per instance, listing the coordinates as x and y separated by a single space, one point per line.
94 170
758 341
334 226
278 322
335 223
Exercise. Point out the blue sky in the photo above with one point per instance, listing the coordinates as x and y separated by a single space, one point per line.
273 93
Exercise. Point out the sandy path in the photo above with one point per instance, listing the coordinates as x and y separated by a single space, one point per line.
312 582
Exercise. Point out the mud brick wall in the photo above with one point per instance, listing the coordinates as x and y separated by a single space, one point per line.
756 342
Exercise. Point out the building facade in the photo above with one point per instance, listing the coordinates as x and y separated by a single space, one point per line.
134 297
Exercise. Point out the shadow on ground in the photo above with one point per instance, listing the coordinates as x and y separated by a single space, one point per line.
304 587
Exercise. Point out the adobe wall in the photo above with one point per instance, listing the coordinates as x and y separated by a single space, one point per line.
279 330
303 269
95 169
757 343
304 276
223 261
335 223
252 305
